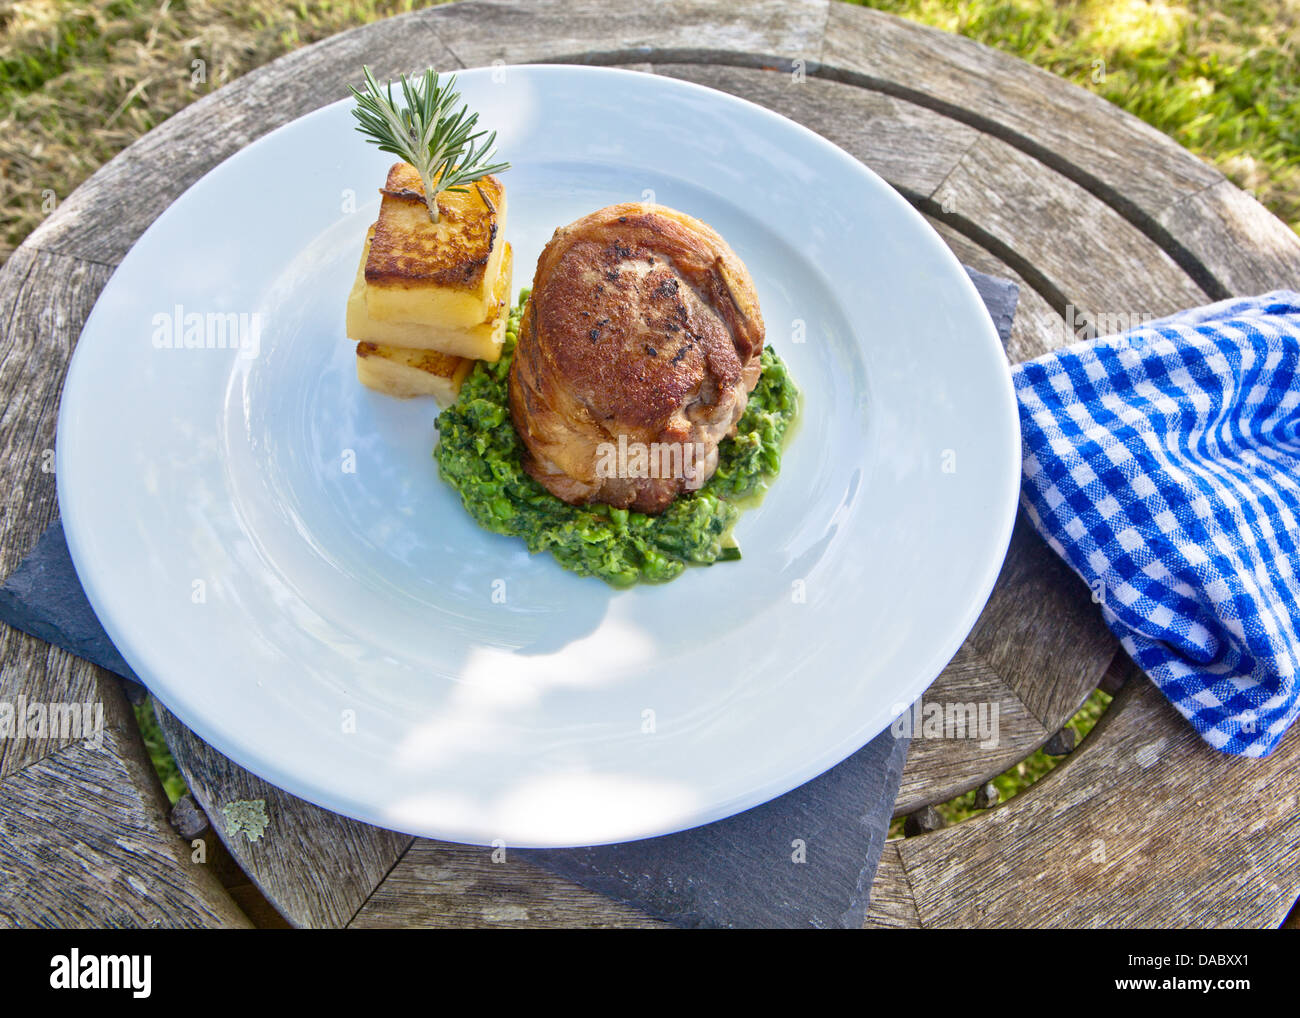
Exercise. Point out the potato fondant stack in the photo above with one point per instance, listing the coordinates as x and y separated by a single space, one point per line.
430 298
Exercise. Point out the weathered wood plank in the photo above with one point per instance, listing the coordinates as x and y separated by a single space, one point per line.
1069 127
441 885
955 758
317 867
1041 632
32 671
1246 246
1071 247
877 129
1037 651
525 31
1131 166
85 844
1143 826
44 298
892 906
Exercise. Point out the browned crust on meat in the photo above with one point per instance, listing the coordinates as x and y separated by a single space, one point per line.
642 323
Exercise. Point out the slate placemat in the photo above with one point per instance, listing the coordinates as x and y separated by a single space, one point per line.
804 859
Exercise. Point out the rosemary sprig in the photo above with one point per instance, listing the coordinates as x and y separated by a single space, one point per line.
433 131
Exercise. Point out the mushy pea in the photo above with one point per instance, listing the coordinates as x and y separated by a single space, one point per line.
479 454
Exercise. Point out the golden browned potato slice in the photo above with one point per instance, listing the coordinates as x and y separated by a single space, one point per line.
435 273
479 342
407 373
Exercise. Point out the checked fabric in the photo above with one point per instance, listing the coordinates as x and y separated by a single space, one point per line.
1163 465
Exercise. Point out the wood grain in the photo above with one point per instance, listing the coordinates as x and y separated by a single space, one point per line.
43 300
1245 245
1025 176
877 129
1129 165
1072 248
942 766
1037 651
594 31
85 844
317 867
892 906
1144 825
440 885
1041 631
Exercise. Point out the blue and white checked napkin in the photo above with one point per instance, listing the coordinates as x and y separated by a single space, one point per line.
1163 464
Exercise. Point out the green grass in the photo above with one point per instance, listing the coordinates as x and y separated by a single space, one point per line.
170 775
79 81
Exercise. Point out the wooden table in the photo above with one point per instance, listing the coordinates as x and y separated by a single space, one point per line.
1092 212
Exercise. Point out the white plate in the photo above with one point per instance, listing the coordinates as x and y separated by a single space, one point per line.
336 631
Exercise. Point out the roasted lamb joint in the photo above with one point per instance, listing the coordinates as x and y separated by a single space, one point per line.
642 333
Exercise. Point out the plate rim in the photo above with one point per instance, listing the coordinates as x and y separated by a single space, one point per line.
307 786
